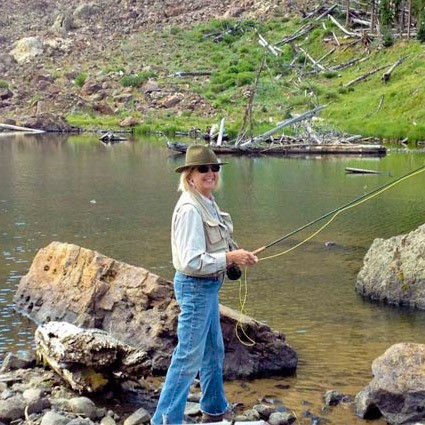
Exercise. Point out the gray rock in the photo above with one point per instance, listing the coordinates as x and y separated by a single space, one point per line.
3 386
394 270
27 48
248 415
281 418
264 411
108 420
53 418
12 408
80 421
12 362
397 389
5 93
83 406
7 393
35 401
194 397
332 398
85 11
140 416
192 408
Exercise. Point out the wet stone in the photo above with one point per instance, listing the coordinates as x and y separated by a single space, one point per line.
83 406
281 418
332 398
53 418
140 416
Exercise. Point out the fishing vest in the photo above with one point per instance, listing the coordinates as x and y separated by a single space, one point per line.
218 233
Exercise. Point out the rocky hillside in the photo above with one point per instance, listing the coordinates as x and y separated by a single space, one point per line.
46 44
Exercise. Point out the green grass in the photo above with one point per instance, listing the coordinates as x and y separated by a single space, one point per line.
80 79
4 84
234 62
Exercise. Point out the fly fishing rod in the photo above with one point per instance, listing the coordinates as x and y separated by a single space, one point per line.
342 207
234 272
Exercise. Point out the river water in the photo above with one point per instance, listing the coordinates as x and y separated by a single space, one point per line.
118 200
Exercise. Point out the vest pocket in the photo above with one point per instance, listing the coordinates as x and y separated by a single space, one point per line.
213 232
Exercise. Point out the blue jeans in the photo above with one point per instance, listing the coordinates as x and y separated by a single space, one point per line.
200 349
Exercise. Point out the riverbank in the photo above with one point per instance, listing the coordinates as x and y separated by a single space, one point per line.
161 75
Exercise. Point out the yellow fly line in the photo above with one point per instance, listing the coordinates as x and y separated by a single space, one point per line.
243 286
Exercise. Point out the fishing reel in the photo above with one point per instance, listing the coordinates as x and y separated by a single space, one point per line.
233 272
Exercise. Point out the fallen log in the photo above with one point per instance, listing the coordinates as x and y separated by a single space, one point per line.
280 125
88 358
364 76
76 285
192 74
326 12
18 128
343 29
311 59
263 42
297 34
349 63
387 75
351 170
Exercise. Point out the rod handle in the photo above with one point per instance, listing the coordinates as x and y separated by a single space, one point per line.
258 250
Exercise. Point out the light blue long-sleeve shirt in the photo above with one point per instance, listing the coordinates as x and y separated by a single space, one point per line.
189 239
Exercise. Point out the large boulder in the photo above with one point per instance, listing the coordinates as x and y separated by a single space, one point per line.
394 270
27 48
397 390
73 284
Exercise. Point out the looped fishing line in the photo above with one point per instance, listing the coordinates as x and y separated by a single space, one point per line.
244 294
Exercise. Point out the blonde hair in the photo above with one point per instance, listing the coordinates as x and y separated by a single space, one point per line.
186 186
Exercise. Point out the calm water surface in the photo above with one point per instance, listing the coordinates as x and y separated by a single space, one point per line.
118 200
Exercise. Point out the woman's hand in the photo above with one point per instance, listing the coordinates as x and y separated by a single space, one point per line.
241 257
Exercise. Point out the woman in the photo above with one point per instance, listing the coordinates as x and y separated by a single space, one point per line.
202 248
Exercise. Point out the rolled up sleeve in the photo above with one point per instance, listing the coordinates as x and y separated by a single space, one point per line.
190 242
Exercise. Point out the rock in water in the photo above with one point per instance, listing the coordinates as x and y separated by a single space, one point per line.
397 390
394 270
76 285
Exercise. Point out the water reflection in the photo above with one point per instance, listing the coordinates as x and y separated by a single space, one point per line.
118 200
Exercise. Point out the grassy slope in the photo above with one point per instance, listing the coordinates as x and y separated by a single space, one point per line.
234 62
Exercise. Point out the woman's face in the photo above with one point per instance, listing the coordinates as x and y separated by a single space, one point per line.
204 182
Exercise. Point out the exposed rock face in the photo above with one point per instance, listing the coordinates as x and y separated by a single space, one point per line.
397 390
82 287
394 270
27 48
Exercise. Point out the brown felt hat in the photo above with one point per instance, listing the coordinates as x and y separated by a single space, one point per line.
199 155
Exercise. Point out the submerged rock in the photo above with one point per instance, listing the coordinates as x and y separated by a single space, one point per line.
82 287
394 270
397 390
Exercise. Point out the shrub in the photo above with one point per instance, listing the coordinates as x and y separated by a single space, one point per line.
387 39
80 79
136 80
4 84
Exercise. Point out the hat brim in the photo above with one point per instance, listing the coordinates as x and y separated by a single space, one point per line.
184 167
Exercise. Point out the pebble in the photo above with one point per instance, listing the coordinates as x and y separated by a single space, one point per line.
83 406
140 416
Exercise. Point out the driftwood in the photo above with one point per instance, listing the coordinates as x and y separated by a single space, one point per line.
263 42
326 12
280 125
326 55
349 63
311 59
220 133
387 75
88 358
364 76
18 128
381 101
305 29
343 29
351 170
192 74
